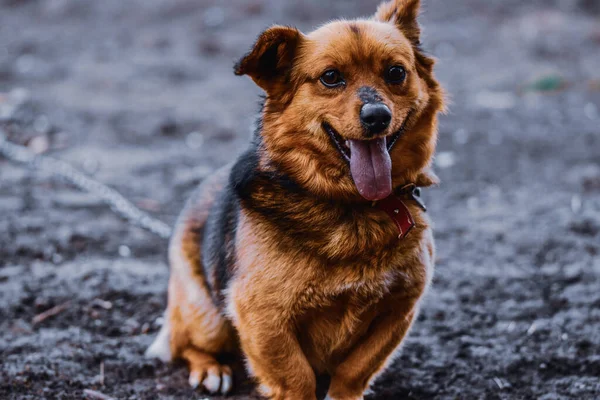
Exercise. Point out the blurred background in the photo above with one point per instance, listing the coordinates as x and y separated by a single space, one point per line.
140 95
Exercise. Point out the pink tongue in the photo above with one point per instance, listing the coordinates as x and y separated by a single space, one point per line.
371 168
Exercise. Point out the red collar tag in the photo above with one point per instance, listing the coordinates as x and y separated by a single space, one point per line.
398 212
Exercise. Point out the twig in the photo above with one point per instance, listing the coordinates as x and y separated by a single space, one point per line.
51 312
102 373
92 394
499 382
532 328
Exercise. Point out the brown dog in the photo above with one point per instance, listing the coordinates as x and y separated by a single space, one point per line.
299 252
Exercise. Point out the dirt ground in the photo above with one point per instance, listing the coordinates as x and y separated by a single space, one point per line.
141 95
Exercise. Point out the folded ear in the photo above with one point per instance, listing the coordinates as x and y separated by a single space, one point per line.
404 14
270 60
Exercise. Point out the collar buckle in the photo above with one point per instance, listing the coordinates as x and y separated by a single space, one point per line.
395 208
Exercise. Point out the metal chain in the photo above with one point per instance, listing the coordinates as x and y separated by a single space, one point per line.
114 199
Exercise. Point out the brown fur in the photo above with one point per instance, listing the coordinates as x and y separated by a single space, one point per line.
318 280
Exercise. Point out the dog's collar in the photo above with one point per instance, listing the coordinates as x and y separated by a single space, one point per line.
395 208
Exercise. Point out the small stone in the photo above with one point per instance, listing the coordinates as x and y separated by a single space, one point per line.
214 17
168 127
445 159
460 136
39 144
160 387
194 140
124 251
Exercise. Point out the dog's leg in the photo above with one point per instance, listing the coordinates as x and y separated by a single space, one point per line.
194 328
198 331
276 359
353 376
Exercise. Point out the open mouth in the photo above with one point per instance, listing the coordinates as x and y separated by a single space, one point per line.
369 160
343 145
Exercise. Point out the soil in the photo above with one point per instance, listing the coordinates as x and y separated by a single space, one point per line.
140 94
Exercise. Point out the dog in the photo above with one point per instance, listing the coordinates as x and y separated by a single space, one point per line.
310 253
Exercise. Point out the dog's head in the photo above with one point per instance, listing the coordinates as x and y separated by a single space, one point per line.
351 108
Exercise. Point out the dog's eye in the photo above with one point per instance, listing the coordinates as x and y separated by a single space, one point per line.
332 78
396 74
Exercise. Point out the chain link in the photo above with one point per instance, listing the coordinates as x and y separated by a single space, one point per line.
114 199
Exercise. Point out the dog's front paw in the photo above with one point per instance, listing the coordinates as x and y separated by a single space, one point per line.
212 378
344 389
276 393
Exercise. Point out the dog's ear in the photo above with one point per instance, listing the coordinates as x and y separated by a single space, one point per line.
404 14
270 60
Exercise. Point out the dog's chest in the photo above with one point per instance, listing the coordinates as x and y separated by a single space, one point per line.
339 318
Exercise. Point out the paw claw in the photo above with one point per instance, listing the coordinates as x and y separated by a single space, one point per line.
226 382
212 382
194 379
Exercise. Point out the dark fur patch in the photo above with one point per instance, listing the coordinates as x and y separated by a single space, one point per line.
219 243
355 29
368 94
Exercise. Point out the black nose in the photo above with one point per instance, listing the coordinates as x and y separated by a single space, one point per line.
375 117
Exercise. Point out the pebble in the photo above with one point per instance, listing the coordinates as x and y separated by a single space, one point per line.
460 136
214 17
445 159
124 251
168 127
39 144
159 321
194 140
